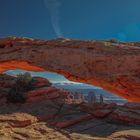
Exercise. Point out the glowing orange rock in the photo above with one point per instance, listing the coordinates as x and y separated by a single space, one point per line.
113 66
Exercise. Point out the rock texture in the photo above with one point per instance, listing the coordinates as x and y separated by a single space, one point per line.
111 65
47 114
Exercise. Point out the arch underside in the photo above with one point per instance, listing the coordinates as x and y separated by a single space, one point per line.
116 70
24 65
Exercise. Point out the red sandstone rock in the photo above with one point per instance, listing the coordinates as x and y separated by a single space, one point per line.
73 122
121 114
47 105
111 106
101 113
90 107
40 92
18 119
45 118
20 123
124 115
115 68
132 105
41 82
99 110
48 93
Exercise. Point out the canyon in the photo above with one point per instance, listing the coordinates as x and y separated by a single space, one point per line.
50 113
111 65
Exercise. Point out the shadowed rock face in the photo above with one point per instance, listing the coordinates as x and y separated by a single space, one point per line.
50 113
113 66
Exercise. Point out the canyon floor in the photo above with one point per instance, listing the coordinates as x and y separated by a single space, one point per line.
50 114
34 122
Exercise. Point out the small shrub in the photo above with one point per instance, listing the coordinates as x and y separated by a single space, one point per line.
15 96
23 84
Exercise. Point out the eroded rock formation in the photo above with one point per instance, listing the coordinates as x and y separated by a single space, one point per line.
113 66
47 114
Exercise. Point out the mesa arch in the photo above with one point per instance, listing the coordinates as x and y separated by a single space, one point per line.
113 66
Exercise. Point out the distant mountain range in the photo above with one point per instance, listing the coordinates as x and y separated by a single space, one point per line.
60 81
86 89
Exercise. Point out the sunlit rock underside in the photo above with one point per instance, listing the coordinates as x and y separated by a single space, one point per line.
108 64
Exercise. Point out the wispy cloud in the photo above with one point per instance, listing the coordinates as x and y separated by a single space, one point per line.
53 7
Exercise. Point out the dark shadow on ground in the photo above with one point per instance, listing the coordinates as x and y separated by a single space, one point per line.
43 109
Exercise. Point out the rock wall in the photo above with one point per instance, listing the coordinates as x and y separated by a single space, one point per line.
113 66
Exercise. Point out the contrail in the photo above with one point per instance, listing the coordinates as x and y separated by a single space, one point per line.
53 7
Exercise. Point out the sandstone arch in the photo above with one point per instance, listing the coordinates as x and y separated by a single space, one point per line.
112 66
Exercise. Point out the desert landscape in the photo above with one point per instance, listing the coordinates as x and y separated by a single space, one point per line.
69 69
31 108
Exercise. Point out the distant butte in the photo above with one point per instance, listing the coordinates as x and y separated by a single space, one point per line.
112 65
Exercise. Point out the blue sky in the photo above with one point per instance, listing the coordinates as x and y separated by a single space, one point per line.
78 19
81 19
53 77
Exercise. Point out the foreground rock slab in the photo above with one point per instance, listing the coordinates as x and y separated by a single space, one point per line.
48 114
43 120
